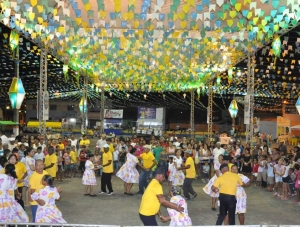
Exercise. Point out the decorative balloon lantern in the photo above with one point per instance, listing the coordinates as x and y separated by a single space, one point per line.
233 110
16 93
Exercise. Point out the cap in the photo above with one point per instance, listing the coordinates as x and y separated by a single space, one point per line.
188 151
147 146
223 166
227 157
160 170
106 146
11 139
176 190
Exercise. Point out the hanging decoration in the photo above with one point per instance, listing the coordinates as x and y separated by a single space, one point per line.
83 105
14 40
276 48
16 93
233 110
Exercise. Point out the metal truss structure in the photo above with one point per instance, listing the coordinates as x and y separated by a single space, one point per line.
102 109
250 92
85 103
43 96
210 109
192 118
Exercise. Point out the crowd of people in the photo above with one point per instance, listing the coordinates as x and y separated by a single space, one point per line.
30 165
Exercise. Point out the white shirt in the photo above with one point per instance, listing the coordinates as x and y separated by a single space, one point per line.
74 143
261 168
270 170
39 156
26 144
11 146
100 143
176 144
286 173
4 139
216 152
116 155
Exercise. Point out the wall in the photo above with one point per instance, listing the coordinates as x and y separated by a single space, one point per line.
268 127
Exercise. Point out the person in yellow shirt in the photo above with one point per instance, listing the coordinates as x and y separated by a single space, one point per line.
35 184
153 198
21 172
74 161
60 144
190 176
107 171
148 162
226 185
51 162
84 142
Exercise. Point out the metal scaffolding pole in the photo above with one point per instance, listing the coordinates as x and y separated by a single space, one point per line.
192 118
85 103
102 109
250 92
43 96
210 109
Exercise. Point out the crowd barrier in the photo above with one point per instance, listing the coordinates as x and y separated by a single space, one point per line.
86 225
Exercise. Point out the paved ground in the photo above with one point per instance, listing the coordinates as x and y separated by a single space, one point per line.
120 209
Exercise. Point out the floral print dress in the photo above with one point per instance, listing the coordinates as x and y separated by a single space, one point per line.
128 172
10 209
48 213
177 176
241 196
177 218
89 177
28 161
207 188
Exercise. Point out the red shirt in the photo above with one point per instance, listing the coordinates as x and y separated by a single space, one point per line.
82 156
255 168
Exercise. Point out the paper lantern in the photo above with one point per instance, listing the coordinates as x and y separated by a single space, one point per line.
13 40
16 93
82 105
233 109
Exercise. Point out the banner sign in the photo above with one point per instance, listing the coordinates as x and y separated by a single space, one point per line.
247 110
146 113
110 113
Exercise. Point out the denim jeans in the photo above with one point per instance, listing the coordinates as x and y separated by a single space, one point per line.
164 165
33 212
143 183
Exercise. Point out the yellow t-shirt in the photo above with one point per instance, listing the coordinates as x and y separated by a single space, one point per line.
85 142
49 159
227 183
148 159
74 157
35 182
61 146
106 157
20 169
229 166
190 172
150 204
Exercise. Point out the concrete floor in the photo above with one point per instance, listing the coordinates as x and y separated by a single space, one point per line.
120 209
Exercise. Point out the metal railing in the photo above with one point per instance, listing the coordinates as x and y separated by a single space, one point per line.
28 224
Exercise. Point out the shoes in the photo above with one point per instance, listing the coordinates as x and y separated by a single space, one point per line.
194 196
139 193
130 194
101 193
93 195
110 193
87 194
125 193
214 209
